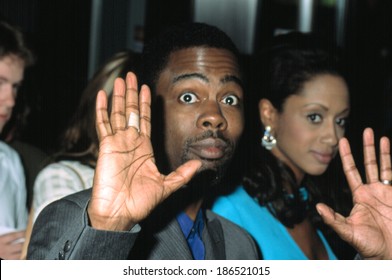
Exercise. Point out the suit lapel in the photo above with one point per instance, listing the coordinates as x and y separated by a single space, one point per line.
168 242
213 239
171 243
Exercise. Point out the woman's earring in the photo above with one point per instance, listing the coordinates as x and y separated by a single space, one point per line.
268 141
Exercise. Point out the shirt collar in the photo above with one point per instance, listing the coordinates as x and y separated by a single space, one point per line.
187 224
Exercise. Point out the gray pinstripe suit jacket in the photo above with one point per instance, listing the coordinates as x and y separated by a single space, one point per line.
62 232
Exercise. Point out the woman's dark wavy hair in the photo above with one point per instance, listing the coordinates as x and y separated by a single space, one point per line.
280 71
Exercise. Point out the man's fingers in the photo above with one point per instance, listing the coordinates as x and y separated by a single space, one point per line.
145 110
350 170
385 159
102 123
132 102
370 159
118 119
336 221
180 176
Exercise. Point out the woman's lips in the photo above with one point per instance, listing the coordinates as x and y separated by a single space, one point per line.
324 158
209 149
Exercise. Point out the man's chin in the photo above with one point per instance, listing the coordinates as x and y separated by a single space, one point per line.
207 176
211 171
214 165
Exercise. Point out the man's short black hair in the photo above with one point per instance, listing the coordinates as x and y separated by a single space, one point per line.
187 35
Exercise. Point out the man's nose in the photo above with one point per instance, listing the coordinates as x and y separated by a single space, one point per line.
212 117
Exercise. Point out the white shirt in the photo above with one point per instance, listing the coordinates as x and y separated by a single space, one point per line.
13 210
58 180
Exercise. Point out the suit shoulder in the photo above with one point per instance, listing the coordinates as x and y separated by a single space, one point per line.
226 224
238 242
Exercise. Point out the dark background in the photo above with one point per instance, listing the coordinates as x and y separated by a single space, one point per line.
59 34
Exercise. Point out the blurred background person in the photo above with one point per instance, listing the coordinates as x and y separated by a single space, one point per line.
71 169
14 58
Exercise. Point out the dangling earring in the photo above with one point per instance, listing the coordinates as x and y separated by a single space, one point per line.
268 141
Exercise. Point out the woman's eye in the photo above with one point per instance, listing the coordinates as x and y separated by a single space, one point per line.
341 122
188 98
231 100
314 118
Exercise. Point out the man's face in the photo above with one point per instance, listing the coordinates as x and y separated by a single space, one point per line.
11 75
203 106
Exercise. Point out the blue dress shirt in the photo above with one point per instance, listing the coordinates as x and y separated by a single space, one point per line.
192 231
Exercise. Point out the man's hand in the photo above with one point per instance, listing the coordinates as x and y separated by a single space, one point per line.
369 227
11 245
127 184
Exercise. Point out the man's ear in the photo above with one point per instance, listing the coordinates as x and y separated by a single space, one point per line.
267 113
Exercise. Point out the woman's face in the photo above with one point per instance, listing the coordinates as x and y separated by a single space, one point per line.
310 125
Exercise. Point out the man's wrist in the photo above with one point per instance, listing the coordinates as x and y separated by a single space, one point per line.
100 222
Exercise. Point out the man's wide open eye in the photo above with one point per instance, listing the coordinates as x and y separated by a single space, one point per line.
231 100
188 98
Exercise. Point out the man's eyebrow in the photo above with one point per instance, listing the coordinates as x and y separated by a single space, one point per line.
190 76
224 80
232 78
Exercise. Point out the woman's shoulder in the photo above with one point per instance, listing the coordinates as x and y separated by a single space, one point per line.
236 202
68 166
73 170
238 195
